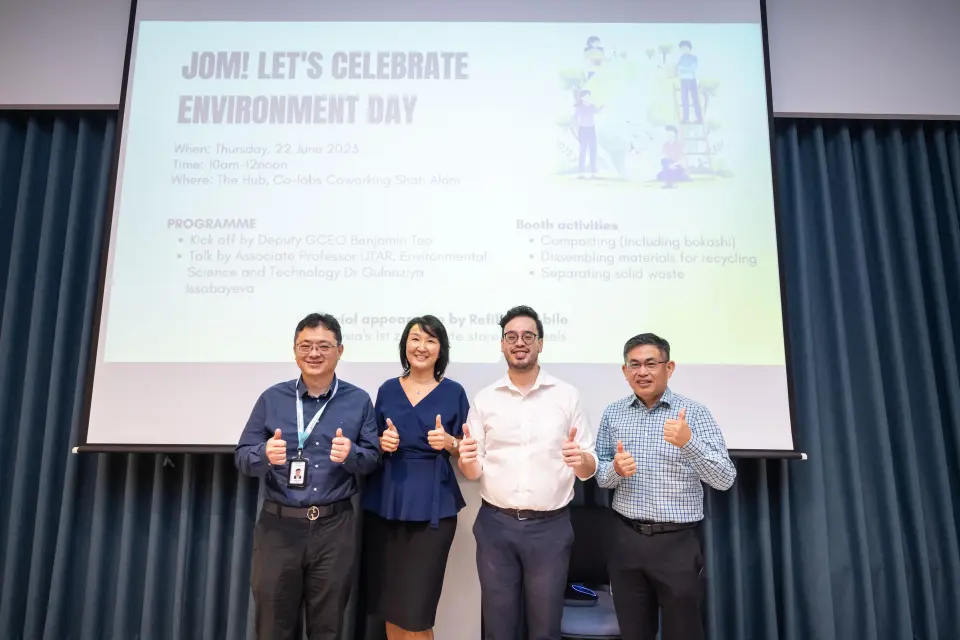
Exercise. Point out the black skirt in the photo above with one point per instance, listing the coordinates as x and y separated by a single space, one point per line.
403 568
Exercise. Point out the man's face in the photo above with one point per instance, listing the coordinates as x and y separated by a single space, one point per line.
646 372
316 351
520 343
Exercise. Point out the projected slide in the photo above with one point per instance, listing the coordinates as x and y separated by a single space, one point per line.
616 177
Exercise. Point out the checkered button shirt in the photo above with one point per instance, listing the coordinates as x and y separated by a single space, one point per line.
667 485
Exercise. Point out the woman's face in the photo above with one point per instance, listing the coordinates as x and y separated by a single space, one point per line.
422 350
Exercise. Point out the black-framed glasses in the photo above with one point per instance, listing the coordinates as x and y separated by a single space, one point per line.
528 337
306 348
649 365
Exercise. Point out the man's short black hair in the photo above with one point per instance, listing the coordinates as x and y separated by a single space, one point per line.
647 338
522 311
324 320
432 326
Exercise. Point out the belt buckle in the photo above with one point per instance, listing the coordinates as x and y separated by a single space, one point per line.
519 511
646 528
313 513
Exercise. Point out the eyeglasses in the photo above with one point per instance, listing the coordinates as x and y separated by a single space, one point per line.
649 365
306 348
528 337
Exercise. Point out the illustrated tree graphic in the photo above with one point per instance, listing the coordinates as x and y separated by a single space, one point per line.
665 50
708 89
650 53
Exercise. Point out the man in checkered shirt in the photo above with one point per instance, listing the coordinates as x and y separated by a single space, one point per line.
654 449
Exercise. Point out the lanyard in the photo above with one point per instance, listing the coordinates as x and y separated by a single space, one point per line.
304 433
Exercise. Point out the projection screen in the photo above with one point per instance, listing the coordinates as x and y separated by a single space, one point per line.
607 163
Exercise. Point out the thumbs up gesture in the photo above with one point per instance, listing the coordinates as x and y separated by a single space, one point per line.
468 447
623 462
390 439
572 455
437 437
339 448
677 431
277 449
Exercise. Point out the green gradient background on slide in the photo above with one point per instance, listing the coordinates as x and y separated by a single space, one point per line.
498 132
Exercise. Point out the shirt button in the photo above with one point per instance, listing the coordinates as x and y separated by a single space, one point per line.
316 443
314 488
316 466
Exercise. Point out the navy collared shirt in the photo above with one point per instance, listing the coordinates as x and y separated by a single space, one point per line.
350 409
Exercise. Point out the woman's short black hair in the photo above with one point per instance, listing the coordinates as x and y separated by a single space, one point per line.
432 326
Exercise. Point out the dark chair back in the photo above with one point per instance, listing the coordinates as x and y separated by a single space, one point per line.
588 557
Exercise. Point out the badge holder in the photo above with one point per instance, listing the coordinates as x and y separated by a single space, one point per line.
298 471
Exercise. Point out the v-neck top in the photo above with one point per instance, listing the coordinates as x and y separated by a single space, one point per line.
416 483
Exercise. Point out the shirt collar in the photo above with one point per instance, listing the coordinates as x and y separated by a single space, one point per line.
306 394
544 379
666 400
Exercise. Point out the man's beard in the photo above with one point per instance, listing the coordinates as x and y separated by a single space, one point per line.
522 366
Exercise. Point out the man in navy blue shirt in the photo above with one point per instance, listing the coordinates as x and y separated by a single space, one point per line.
309 439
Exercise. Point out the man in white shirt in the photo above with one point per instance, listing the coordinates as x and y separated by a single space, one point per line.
527 441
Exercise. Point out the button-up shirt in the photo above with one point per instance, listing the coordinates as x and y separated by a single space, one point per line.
349 409
519 441
667 485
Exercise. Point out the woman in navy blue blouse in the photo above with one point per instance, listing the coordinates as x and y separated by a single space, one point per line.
411 502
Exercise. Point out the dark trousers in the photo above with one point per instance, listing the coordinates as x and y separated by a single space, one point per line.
654 576
522 561
302 563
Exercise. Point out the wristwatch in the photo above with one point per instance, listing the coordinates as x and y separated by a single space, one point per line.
456 443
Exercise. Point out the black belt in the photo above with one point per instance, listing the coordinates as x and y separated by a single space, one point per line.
525 514
653 528
307 513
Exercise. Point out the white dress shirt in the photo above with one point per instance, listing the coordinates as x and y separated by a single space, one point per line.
519 440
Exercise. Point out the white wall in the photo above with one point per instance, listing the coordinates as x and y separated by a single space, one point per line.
831 57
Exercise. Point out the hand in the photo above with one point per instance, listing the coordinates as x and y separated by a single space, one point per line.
437 437
468 447
677 432
623 462
390 439
340 447
572 455
277 449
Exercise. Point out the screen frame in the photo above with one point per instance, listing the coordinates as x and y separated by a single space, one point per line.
106 231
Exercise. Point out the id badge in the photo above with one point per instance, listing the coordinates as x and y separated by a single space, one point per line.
298 473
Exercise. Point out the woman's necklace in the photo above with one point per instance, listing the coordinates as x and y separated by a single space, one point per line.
421 385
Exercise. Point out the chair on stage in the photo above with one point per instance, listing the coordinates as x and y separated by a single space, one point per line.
588 612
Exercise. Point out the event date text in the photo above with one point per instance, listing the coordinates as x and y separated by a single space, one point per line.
317 149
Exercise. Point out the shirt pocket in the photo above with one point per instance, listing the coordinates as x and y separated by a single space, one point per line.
350 423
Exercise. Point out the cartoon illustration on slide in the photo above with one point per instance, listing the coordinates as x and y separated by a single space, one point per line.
642 120
586 112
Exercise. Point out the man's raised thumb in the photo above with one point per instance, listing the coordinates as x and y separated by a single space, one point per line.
466 431
683 414
339 433
439 423
390 426
573 434
619 447
276 436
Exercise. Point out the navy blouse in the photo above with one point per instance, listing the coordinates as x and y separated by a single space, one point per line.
416 483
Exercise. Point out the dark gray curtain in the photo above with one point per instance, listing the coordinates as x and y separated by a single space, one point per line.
858 542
